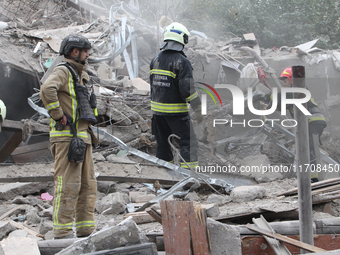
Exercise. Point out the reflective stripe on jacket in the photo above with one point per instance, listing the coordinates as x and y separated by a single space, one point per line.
172 84
59 97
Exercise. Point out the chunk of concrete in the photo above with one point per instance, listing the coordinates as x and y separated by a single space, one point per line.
125 233
247 193
97 157
192 196
216 199
32 218
224 238
213 210
20 245
45 226
23 233
140 197
5 229
115 202
106 187
9 191
46 213
141 87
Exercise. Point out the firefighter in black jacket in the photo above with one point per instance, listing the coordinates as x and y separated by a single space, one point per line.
172 88
316 122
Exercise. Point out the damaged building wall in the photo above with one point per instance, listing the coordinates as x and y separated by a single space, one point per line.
16 87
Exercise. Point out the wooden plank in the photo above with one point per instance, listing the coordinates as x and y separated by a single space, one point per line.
254 245
21 226
198 230
10 212
154 214
140 217
333 187
315 185
322 227
185 228
17 126
10 146
285 239
176 227
323 199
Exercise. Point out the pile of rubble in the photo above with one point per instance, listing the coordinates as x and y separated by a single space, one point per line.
26 213
123 46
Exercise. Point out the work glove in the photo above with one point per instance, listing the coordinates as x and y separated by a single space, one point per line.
62 122
259 97
197 116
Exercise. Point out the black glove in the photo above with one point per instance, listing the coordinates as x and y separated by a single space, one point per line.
64 121
259 97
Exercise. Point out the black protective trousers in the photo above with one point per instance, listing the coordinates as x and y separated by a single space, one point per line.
181 125
314 129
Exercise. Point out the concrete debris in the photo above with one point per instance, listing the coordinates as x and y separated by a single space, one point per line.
5 228
192 196
225 239
11 190
126 232
19 245
114 203
247 193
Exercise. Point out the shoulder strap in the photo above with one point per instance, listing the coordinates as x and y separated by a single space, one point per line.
75 80
71 69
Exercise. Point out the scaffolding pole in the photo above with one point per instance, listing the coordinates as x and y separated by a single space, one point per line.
302 164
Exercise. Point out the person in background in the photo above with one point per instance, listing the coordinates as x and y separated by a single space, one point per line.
316 122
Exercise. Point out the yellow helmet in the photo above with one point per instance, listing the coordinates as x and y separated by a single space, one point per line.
2 111
177 32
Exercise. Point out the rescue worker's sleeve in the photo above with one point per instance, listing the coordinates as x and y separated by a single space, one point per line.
186 85
49 92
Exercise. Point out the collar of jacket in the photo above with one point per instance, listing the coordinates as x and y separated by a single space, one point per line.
77 66
172 45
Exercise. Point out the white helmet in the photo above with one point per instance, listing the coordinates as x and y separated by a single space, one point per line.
2 110
177 32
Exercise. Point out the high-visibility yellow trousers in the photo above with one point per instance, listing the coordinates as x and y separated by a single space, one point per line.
75 192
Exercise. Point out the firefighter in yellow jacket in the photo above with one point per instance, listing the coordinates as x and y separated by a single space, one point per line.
75 189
